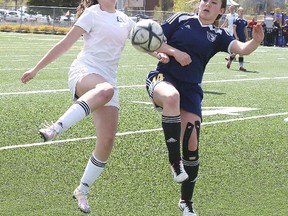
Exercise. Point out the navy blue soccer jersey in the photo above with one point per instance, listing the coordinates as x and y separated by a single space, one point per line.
185 32
241 24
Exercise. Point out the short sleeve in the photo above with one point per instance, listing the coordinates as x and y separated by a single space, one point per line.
86 21
171 24
225 42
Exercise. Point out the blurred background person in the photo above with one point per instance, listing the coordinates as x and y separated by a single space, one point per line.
241 34
228 25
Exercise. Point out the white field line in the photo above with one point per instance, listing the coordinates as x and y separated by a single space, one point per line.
137 132
138 86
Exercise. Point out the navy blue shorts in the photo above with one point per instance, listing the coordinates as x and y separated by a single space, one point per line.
191 94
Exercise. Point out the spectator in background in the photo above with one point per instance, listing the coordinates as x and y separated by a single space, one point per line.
250 27
265 42
276 23
285 32
241 34
276 27
252 22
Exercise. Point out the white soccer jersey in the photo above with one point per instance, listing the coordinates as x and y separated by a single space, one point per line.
231 18
104 40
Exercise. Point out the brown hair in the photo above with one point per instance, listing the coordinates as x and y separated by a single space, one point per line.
83 5
223 5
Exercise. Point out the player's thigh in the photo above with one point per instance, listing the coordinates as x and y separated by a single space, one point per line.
89 82
164 90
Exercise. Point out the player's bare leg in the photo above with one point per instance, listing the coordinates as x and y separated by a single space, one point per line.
106 120
94 92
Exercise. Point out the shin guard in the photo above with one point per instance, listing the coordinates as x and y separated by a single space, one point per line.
190 161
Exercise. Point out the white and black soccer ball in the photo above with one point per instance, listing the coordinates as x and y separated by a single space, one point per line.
147 35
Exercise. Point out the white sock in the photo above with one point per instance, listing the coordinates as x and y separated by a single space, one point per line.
74 114
92 171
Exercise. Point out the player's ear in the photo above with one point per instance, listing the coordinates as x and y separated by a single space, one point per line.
222 11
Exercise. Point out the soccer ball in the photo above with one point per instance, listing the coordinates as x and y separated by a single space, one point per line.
147 35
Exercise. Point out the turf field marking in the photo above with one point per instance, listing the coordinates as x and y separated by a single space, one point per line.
240 80
208 111
138 132
35 92
136 86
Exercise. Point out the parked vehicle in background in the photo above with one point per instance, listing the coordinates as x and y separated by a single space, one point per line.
2 14
28 17
12 16
18 16
44 19
66 20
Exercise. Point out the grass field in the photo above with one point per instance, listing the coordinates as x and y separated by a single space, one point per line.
243 147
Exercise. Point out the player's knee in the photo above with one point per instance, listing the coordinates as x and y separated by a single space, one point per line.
105 91
172 99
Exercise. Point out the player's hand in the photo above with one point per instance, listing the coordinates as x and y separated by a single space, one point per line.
28 75
162 57
258 33
182 58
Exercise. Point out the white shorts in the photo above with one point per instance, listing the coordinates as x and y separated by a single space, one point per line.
78 71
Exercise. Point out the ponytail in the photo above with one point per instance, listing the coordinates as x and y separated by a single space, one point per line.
83 5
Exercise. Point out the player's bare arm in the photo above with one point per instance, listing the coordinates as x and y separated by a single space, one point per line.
181 57
251 45
162 57
59 49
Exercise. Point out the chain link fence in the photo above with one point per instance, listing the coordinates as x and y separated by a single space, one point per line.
66 17
40 15
60 16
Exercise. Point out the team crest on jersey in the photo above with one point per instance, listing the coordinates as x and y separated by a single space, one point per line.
119 19
187 26
211 37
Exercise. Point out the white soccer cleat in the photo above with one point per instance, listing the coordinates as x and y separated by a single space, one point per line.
179 173
186 208
48 133
82 201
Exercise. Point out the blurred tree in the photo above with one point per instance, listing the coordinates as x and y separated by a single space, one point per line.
185 5
259 6
70 3
50 3
58 3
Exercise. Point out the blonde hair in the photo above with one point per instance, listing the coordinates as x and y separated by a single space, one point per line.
240 9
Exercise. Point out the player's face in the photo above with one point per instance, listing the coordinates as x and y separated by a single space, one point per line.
107 5
209 10
232 9
241 12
